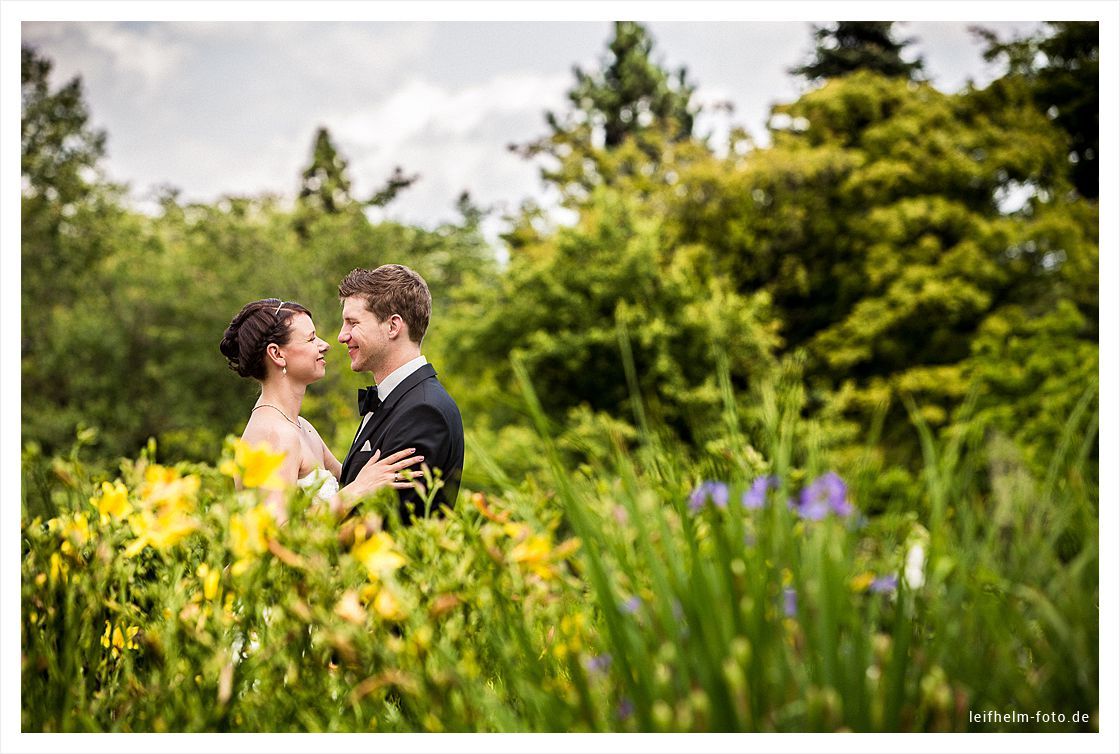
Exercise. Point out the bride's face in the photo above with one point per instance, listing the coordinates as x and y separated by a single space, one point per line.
305 352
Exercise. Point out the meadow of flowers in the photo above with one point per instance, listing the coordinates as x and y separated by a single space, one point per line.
635 594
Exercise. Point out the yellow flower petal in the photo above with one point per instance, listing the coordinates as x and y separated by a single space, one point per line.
388 606
378 555
258 465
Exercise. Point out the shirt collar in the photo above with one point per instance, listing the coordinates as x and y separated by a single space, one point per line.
398 375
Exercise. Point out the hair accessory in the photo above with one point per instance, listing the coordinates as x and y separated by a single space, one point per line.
279 308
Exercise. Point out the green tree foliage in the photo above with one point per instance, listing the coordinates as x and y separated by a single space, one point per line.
69 224
1061 67
849 46
63 194
631 99
881 224
561 302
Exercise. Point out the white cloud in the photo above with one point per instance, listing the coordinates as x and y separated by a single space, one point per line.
455 139
421 108
152 55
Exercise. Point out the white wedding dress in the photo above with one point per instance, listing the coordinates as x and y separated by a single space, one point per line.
321 482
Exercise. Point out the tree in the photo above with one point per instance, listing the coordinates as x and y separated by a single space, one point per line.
1061 67
629 100
849 46
560 304
69 224
394 184
64 194
877 223
325 186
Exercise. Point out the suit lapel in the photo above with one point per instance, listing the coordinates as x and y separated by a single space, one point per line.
379 416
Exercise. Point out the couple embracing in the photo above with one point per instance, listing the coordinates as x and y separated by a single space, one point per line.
407 417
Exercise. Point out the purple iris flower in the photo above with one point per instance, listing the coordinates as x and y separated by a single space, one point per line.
598 663
884 584
789 601
755 497
825 494
717 492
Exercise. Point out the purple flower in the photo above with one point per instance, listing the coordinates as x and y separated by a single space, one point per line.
755 497
625 709
632 605
884 584
789 601
825 494
598 663
715 491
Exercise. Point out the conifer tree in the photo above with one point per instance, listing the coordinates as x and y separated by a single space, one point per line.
850 46
623 117
325 185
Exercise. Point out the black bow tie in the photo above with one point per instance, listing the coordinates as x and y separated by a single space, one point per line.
368 401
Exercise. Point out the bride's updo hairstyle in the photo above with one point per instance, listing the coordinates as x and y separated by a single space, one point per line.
255 326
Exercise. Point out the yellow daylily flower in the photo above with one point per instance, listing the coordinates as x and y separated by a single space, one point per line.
166 487
112 502
388 606
255 465
68 529
117 639
515 530
534 553
211 580
378 555
58 567
249 533
162 530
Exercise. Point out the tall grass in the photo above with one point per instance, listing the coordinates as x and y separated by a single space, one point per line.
626 595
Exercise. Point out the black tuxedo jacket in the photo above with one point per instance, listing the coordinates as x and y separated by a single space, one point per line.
419 414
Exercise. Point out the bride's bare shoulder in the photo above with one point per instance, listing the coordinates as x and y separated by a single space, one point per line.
272 430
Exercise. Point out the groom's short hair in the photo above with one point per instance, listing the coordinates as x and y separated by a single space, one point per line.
392 289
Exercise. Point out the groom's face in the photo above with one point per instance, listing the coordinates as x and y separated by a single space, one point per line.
362 335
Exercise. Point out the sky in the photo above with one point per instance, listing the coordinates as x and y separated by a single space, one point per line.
232 107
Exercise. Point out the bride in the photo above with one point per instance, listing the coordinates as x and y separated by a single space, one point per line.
274 343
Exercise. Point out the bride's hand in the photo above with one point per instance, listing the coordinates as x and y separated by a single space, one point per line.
388 471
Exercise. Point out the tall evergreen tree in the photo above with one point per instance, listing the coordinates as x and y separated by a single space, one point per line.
850 46
632 93
630 101
325 185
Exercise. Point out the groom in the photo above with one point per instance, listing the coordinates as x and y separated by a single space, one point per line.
385 314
